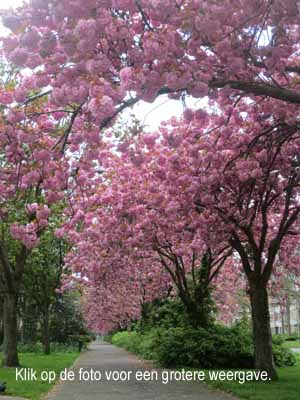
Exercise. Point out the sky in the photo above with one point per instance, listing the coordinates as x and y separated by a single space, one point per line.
150 114
10 3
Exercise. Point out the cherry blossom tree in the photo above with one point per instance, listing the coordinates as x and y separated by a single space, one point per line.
93 59
249 178
106 56
31 180
219 179
140 217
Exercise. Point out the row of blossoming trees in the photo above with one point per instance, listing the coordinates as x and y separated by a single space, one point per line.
215 191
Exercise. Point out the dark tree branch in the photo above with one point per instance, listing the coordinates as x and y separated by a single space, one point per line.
259 89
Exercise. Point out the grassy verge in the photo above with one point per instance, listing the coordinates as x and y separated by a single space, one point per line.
35 389
286 388
292 344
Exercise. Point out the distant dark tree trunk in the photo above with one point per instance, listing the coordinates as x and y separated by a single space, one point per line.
45 330
11 276
298 319
282 321
288 315
1 317
10 331
263 354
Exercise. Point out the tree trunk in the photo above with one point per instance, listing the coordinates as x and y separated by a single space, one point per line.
282 321
262 336
46 335
288 315
10 331
298 307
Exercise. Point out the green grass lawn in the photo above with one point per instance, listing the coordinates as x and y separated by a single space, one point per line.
286 388
39 362
292 344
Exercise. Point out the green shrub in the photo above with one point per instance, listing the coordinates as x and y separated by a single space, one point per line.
292 337
147 345
217 347
283 357
128 340
278 339
141 344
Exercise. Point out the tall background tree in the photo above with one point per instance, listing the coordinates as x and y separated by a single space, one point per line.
40 285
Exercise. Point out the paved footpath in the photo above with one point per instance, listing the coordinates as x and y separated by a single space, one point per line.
103 357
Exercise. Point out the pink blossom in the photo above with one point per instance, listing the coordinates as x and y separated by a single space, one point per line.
42 155
19 56
30 39
6 98
126 76
20 95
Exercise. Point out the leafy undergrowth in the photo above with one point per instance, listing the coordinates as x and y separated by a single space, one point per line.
35 389
216 347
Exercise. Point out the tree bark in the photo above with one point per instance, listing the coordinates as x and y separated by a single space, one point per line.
298 308
262 336
10 330
46 335
282 321
288 315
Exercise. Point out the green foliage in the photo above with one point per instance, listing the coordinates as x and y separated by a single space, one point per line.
81 341
66 320
283 356
137 343
128 340
37 347
216 347
166 313
278 339
108 337
294 336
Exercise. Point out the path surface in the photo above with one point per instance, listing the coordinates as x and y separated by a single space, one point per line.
102 357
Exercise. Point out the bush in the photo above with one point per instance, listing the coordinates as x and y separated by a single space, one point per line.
278 339
147 345
129 340
141 344
292 337
283 357
216 347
